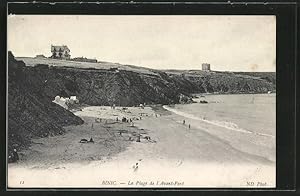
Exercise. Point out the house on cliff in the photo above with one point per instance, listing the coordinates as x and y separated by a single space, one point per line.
60 52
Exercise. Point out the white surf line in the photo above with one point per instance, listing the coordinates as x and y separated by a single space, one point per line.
264 134
211 122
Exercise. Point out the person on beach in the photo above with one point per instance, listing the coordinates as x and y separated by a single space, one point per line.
12 158
135 167
183 122
91 140
15 155
189 126
138 138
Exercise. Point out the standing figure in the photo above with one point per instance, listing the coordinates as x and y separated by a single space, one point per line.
15 156
183 122
189 126
135 167
138 138
91 140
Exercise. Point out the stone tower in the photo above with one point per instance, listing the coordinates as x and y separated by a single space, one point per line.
205 67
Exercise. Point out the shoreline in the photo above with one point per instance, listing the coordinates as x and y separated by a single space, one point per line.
171 108
241 93
176 154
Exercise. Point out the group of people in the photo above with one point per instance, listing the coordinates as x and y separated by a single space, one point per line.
183 122
97 120
113 106
86 141
126 120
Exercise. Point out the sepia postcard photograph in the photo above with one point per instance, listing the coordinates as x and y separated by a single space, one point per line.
141 101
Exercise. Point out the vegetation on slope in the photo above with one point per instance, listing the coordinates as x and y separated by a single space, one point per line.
30 114
128 88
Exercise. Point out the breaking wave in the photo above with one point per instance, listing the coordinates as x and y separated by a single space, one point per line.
228 125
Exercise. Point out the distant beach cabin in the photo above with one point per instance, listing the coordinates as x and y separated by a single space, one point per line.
73 97
60 52
205 67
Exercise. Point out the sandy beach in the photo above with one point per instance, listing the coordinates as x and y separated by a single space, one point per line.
169 154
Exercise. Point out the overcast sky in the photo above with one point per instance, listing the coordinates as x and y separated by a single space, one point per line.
228 43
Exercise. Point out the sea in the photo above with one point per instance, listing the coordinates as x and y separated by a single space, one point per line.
253 113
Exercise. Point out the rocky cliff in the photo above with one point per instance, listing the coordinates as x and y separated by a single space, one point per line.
30 113
129 88
223 82
31 90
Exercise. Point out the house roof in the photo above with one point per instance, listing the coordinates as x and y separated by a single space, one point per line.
57 48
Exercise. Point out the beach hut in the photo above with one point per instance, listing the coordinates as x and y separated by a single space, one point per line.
57 98
73 98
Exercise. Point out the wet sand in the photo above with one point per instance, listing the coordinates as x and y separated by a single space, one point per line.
175 156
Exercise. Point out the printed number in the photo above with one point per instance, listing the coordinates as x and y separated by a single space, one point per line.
21 182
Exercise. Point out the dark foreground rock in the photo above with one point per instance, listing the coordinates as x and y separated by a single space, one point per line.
30 113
